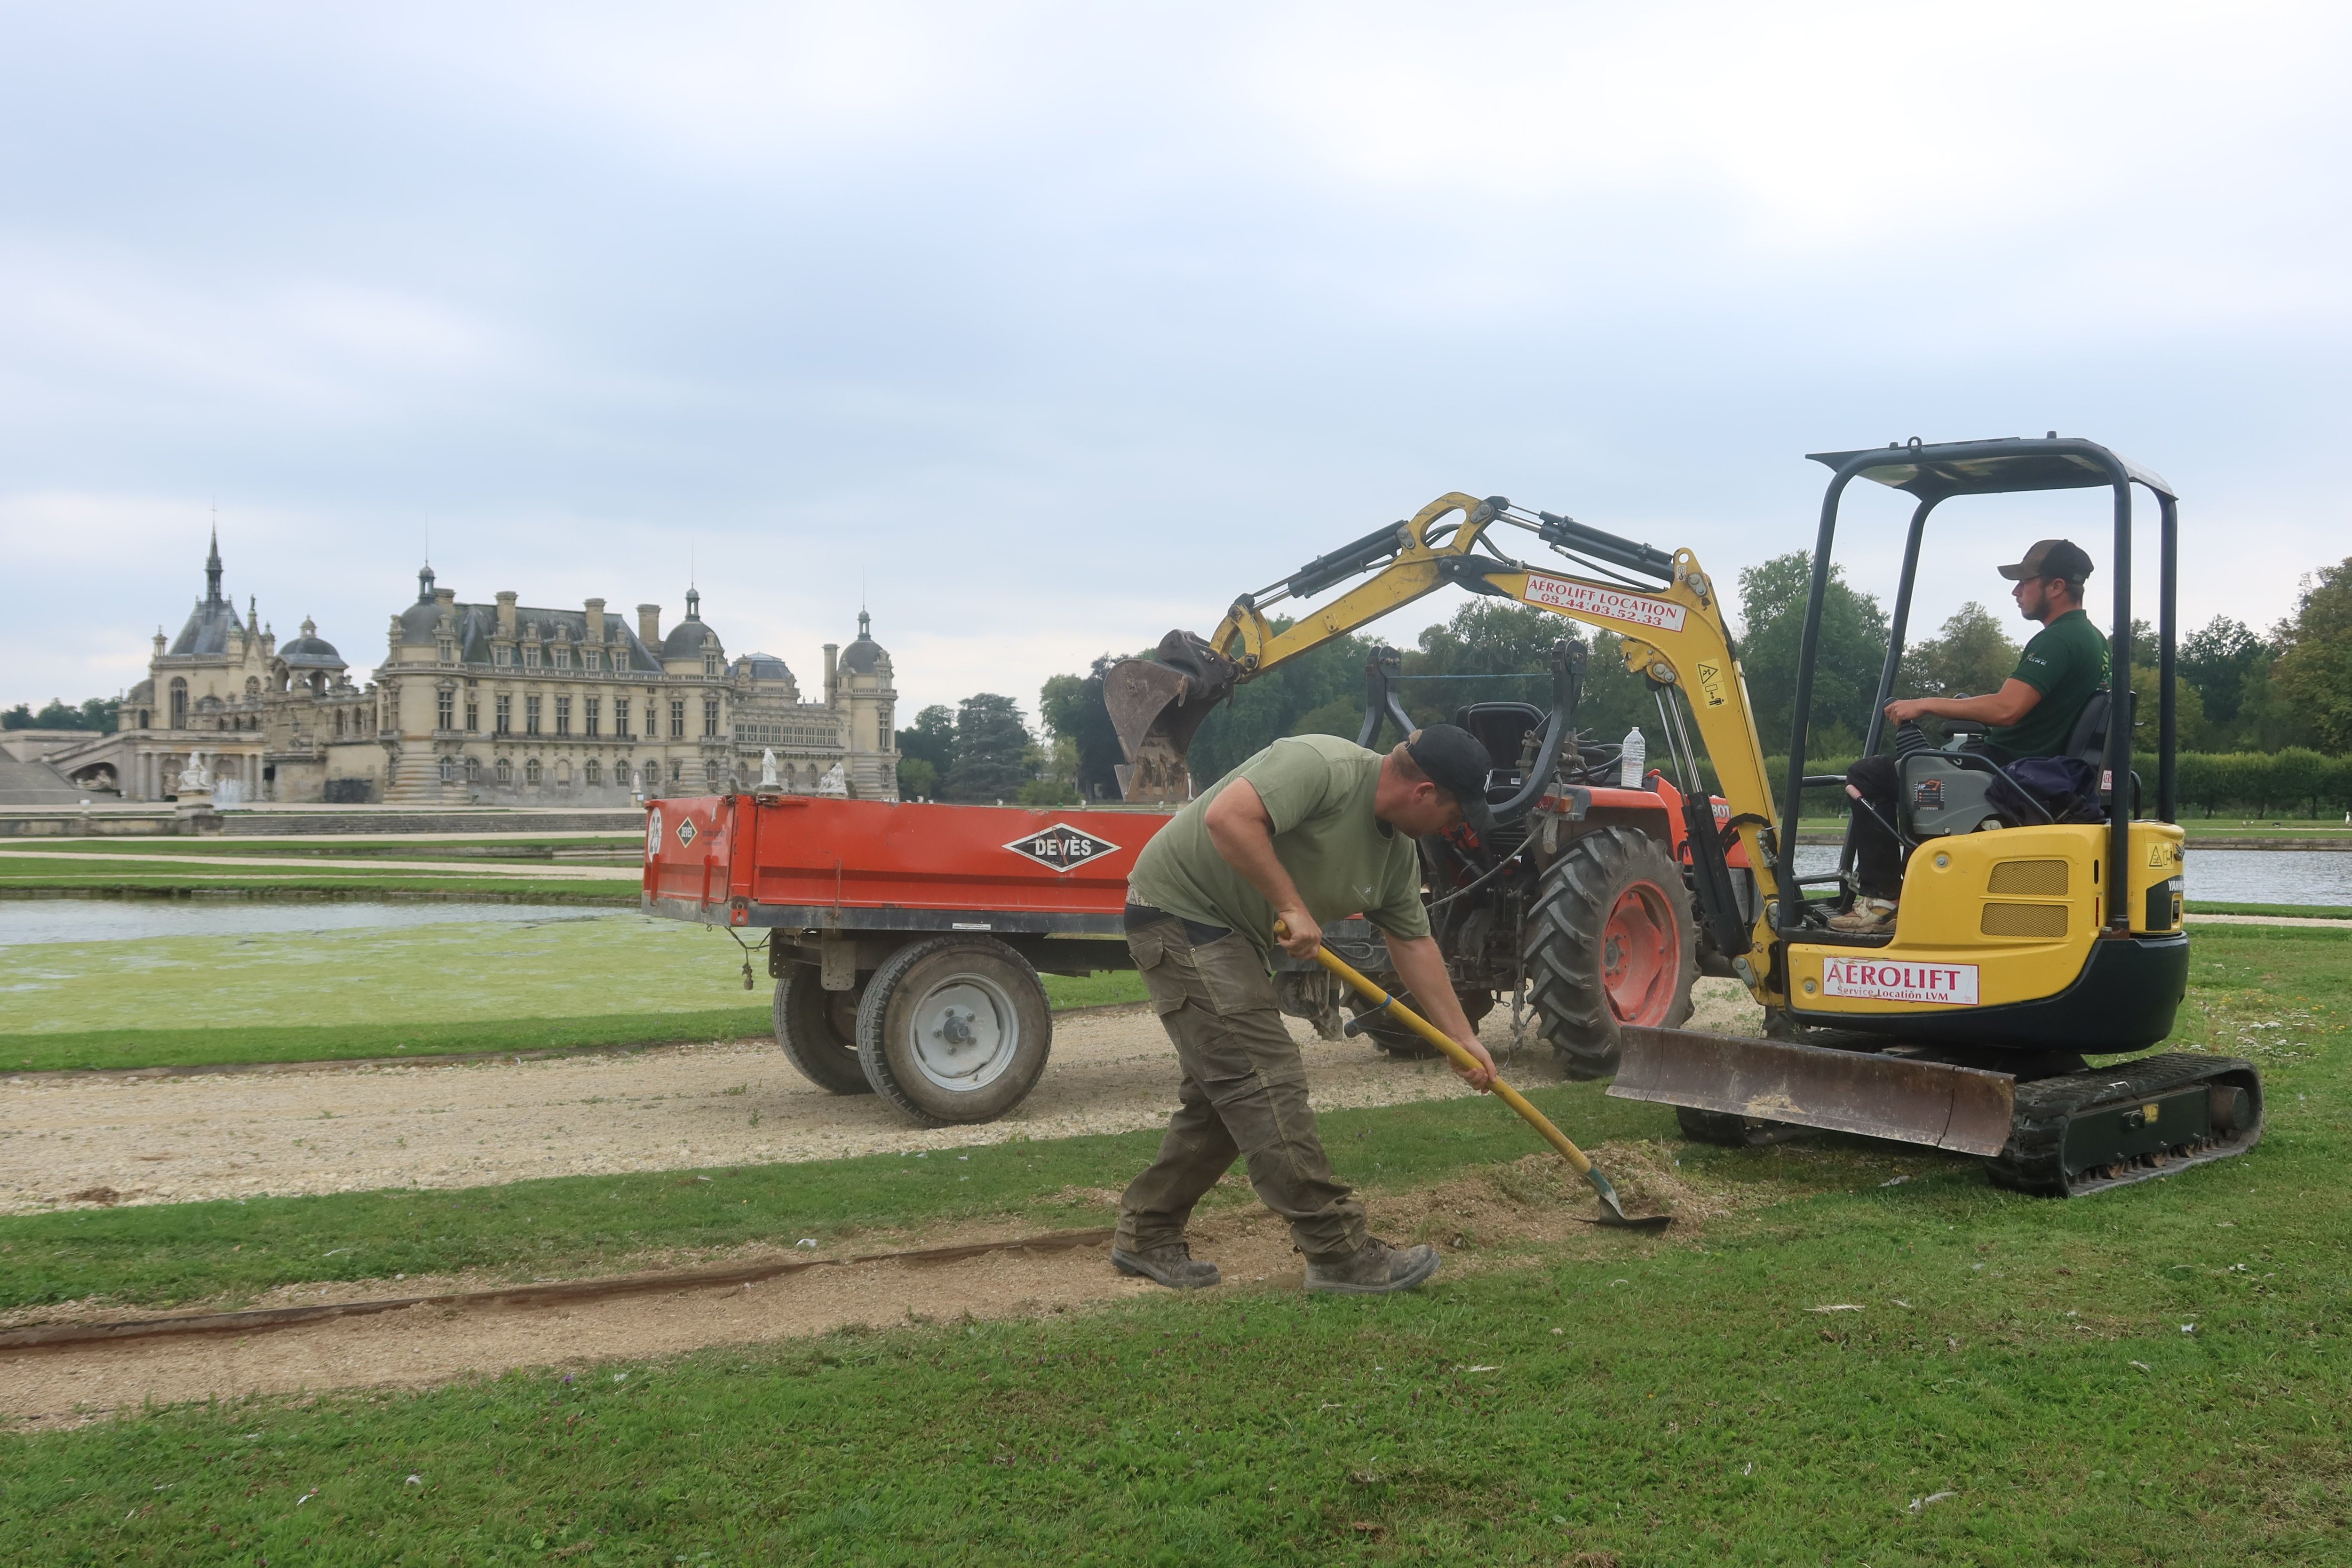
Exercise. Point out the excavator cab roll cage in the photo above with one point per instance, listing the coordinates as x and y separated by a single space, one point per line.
1934 474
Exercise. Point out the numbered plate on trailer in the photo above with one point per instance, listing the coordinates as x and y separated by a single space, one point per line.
1062 848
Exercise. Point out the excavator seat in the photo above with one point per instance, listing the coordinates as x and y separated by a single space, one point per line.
1502 728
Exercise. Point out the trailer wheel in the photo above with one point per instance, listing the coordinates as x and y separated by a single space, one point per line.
1610 942
954 1030
818 1029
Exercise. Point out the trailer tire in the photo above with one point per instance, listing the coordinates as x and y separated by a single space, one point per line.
976 988
1610 942
818 1029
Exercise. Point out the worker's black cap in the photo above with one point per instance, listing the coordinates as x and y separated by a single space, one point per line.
2052 558
1456 763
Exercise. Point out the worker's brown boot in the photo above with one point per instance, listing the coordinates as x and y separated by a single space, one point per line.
1869 917
1374 1268
1172 1266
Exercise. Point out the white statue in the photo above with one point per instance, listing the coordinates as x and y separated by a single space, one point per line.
193 778
768 770
835 783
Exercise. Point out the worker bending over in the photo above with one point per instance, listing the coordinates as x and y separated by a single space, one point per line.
1310 829
2032 715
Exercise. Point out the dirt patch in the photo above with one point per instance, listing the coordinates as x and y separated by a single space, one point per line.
726 1103
1503 1217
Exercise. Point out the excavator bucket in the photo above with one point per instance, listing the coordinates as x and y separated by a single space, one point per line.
1155 706
1877 1096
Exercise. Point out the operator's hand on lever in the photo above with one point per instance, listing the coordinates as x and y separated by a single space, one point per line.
1904 710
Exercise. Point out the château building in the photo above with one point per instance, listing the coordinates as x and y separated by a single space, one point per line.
488 703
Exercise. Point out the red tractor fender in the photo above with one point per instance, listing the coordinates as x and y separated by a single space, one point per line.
1656 809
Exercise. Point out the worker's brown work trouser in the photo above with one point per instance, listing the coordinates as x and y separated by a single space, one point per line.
1244 1094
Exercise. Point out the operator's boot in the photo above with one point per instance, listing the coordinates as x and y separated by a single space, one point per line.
1869 917
1172 1266
1375 1268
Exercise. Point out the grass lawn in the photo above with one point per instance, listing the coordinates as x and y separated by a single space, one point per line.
422 847
2296 911
2154 1376
592 978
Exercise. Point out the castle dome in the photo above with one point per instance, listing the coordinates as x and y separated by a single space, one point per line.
860 656
420 622
690 639
310 651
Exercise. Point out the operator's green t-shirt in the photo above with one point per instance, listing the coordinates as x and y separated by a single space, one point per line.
2066 662
1317 790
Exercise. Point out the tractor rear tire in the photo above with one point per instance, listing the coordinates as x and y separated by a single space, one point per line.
818 1029
954 1030
1610 942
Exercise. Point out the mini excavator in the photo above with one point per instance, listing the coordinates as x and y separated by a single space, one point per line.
2029 939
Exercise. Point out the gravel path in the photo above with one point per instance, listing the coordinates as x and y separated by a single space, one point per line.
729 1102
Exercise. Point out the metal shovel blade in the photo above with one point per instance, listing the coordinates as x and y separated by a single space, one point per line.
1612 1212
1915 1101
1156 704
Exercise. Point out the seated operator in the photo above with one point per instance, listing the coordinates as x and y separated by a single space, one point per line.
2032 715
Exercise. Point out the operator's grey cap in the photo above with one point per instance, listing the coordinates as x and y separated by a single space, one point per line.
1456 763
2052 558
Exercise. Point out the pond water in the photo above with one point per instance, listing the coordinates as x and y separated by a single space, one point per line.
2216 876
27 921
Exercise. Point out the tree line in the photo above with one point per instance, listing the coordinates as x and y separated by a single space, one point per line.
2266 718
100 715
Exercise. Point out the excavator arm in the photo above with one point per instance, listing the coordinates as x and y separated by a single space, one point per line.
1673 632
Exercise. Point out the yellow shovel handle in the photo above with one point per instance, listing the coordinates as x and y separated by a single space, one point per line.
1444 1042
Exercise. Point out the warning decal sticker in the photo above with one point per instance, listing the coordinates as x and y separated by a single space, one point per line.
1062 848
1606 603
686 833
1955 985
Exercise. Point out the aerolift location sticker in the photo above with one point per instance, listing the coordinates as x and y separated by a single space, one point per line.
1954 984
1608 604
1062 848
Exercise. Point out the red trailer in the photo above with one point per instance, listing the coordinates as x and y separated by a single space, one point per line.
906 939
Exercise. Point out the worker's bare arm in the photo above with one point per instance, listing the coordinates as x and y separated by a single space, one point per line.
1421 967
1242 833
2014 702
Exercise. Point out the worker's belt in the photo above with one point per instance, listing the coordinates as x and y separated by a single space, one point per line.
1141 915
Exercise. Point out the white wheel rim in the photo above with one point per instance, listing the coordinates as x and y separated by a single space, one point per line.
966 1033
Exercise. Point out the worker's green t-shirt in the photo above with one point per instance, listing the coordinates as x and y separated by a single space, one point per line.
1318 791
2066 662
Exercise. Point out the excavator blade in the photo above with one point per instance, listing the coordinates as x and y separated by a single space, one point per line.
1155 706
1917 1102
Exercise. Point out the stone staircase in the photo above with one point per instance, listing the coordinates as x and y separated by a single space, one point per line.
415 780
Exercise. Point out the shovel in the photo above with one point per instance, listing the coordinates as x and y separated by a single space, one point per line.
1612 1212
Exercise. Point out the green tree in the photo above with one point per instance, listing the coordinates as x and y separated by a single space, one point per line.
930 742
1071 708
1852 646
917 780
2220 660
1263 710
991 750
2312 677
1053 773
1970 656
100 714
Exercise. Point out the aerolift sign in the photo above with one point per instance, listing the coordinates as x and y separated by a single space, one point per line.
1954 984
1605 604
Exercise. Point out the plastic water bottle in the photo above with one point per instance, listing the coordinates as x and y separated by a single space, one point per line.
1631 759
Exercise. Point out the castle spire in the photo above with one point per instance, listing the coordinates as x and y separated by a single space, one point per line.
213 567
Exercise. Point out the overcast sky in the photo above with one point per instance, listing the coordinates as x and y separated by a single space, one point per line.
1042 329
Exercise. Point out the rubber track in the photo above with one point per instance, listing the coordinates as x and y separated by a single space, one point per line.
1563 951
2033 1161
563 1293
